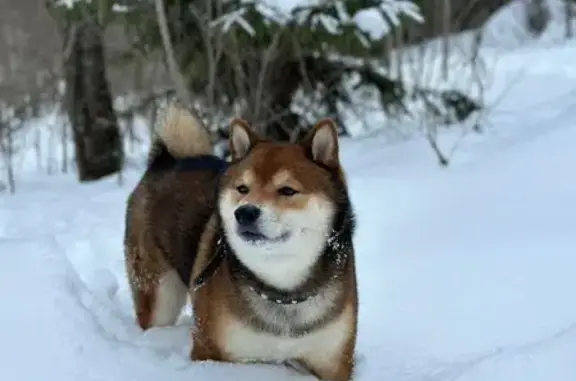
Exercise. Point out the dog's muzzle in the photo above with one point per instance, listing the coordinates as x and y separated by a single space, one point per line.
247 218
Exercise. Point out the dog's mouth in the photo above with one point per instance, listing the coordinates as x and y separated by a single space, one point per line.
253 235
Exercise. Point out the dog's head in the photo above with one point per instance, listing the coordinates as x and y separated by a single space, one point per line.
279 200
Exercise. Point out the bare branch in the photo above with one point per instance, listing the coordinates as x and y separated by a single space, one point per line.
175 73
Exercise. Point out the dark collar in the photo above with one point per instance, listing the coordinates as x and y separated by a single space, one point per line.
281 297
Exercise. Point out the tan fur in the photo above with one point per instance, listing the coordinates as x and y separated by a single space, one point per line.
161 210
182 132
270 166
213 317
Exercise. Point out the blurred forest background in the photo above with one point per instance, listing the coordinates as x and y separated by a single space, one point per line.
101 68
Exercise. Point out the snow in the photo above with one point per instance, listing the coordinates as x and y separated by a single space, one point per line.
378 21
465 273
375 21
508 64
509 21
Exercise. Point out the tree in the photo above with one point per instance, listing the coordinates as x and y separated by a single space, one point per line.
280 68
537 16
252 59
569 17
95 130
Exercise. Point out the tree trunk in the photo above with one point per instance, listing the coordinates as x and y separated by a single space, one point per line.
569 14
537 16
7 155
446 29
95 130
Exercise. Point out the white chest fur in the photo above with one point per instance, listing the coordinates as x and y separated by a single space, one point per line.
244 344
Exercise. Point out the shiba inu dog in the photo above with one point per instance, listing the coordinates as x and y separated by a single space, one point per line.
263 244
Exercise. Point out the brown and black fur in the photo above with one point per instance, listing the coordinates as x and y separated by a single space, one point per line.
173 224
226 295
167 211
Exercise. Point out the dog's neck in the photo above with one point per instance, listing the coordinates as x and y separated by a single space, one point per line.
285 266
290 279
245 277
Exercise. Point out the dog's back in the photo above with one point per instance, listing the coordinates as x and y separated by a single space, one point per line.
166 215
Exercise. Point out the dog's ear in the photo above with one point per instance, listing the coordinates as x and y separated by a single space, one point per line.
322 143
242 138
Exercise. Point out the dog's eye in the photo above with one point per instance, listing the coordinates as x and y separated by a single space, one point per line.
287 191
242 189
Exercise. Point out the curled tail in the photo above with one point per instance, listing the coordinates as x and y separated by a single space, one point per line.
178 134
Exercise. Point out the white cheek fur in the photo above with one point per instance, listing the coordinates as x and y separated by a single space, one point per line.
283 264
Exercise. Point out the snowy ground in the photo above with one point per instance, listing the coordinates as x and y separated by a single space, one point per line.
466 273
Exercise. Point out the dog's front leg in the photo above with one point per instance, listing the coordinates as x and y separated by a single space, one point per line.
203 349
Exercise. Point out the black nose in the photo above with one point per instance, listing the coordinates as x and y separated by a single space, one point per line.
247 214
